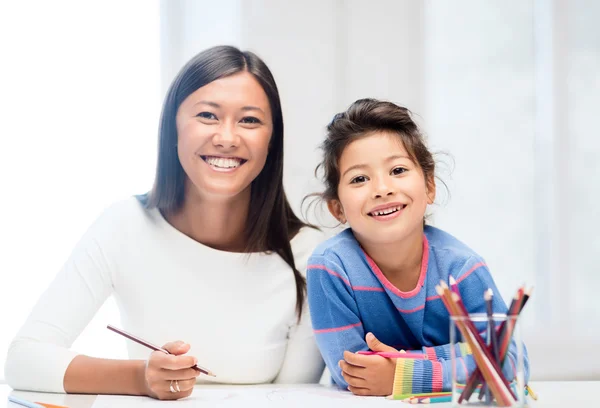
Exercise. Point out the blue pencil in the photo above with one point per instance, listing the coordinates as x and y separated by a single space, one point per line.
24 402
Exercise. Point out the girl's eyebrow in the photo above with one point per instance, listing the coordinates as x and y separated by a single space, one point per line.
363 166
217 106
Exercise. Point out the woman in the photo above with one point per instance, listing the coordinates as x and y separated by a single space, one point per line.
212 254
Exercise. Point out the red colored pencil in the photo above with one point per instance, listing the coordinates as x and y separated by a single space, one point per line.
153 347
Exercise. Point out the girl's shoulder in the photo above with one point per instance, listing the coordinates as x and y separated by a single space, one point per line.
440 240
451 255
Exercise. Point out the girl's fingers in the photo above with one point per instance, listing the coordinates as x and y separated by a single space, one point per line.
354 371
359 390
360 360
354 381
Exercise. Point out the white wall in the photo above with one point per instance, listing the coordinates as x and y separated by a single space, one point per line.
508 88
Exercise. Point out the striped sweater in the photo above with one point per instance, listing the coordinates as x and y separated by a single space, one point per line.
349 296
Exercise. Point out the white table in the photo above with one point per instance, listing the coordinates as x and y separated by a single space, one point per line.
563 394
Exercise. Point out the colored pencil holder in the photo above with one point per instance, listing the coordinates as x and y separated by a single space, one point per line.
475 377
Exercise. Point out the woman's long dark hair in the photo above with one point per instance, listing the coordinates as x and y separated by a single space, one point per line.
271 223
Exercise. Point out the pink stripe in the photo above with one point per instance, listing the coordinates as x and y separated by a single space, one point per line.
432 298
416 309
329 271
462 278
368 288
436 378
390 285
430 351
337 329
337 275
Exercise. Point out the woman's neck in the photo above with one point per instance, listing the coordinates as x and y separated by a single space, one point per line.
216 222
400 261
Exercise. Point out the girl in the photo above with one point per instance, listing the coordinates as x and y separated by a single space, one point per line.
212 254
373 285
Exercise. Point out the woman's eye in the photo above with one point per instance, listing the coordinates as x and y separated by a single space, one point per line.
358 179
206 115
251 120
398 170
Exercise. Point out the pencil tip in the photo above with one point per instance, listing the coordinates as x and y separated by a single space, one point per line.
452 280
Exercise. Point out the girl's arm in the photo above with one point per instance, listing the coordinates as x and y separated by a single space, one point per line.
335 317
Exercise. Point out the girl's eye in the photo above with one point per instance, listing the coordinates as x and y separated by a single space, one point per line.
251 120
398 170
358 179
206 115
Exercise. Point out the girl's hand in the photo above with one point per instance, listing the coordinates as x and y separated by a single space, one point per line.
166 370
369 374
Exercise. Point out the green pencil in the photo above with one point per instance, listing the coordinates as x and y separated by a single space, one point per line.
423 395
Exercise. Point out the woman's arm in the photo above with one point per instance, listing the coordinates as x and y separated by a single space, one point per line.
89 375
61 314
302 362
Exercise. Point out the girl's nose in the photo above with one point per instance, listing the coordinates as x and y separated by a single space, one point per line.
382 188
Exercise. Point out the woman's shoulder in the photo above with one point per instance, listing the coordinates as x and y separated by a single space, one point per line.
122 215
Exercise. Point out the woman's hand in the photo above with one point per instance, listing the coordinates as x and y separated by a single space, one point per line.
166 373
369 374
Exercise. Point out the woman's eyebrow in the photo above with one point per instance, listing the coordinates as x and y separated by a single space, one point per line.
217 106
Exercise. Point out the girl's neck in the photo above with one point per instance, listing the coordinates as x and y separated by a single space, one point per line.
216 222
400 261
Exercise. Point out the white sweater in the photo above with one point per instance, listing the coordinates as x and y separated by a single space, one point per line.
237 311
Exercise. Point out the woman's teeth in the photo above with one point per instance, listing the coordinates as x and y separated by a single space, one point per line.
222 162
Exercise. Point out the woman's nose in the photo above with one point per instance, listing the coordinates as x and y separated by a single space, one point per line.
226 137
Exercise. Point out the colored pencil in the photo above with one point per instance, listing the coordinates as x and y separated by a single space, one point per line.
431 400
486 363
516 306
422 395
23 402
392 354
153 347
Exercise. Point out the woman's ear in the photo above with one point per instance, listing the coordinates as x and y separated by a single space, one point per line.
430 190
336 209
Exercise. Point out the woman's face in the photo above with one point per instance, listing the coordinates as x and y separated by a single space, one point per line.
223 135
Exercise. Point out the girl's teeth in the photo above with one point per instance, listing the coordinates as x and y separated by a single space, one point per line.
225 163
386 211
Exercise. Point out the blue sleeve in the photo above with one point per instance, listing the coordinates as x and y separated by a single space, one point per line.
473 279
335 317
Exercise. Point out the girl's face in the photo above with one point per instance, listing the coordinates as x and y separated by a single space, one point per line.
382 194
223 135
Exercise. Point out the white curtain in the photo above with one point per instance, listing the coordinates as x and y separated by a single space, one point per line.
80 89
